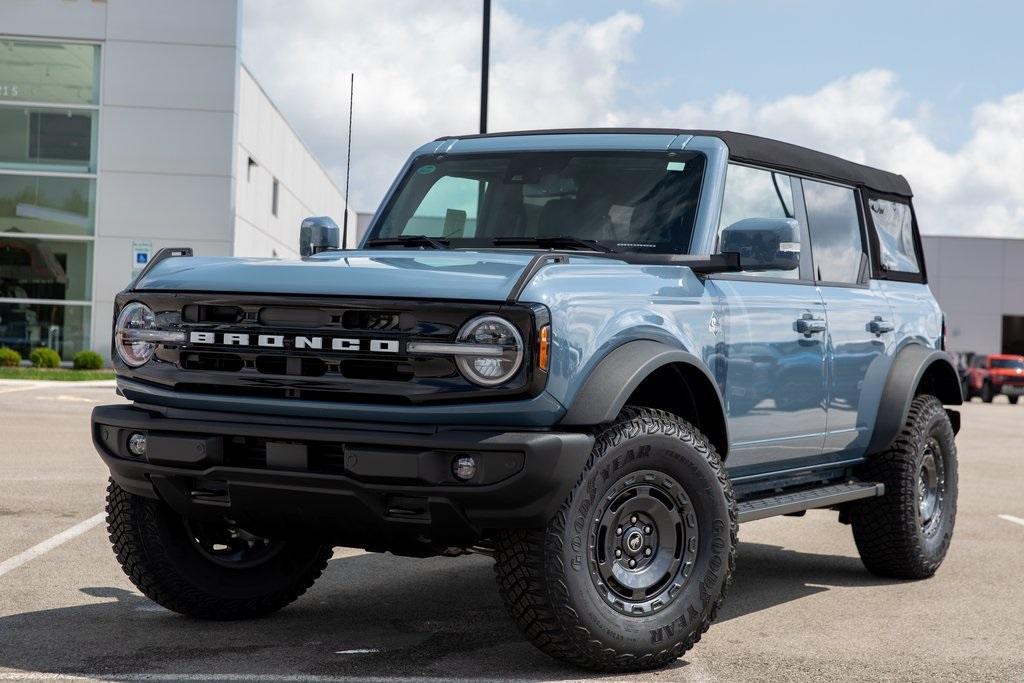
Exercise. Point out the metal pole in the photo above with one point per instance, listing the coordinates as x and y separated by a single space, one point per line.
484 68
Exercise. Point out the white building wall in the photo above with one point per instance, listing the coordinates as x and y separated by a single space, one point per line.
167 121
977 281
304 188
363 224
179 117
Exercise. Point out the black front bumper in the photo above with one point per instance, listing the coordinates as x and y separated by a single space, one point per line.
380 487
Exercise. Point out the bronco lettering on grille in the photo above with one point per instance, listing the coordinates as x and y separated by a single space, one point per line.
278 341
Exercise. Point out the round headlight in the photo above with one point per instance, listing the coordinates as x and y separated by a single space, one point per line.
131 347
503 346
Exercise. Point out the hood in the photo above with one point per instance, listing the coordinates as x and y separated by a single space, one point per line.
470 275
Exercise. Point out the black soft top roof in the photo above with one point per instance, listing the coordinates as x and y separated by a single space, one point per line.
761 151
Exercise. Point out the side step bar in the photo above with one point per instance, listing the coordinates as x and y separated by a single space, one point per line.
787 503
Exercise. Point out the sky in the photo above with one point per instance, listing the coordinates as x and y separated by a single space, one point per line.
932 90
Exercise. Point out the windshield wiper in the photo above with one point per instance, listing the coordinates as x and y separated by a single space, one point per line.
409 241
560 242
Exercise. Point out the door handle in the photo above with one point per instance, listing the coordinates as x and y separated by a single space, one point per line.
808 325
878 327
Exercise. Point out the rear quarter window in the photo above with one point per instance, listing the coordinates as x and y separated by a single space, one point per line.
894 225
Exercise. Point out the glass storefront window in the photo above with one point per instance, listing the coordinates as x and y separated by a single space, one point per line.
45 269
45 139
65 329
47 205
64 73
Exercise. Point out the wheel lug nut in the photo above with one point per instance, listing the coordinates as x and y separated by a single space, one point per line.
648 551
632 520
647 530
618 552
632 563
618 531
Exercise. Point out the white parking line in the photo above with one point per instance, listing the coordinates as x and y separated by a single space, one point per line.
269 678
9 389
1011 518
49 544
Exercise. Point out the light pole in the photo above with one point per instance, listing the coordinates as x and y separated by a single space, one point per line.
485 58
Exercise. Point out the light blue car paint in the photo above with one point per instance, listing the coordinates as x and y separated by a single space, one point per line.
788 398
371 273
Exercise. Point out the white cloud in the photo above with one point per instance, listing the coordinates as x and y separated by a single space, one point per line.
975 189
417 69
417 77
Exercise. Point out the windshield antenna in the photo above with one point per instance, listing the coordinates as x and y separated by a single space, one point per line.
348 158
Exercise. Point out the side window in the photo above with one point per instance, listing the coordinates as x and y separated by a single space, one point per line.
448 209
757 193
837 245
894 225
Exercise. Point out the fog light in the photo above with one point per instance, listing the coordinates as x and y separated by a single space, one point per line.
464 468
137 444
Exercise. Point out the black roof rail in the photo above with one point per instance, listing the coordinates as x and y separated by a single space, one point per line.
162 255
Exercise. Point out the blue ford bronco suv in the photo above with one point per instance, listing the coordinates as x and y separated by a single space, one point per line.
589 354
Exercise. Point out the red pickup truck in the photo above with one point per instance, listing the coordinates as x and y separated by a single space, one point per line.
995 374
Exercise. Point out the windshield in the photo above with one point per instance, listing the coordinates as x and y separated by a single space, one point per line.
1008 363
622 201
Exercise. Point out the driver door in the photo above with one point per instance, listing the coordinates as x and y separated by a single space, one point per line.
773 352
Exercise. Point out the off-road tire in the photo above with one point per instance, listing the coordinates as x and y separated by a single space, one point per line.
888 530
986 392
152 545
544 575
1013 400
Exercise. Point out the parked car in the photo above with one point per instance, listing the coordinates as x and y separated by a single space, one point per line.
589 354
994 374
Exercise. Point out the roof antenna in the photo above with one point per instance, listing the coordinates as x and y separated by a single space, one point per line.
348 158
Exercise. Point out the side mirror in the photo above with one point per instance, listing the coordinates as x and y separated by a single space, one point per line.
318 233
764 243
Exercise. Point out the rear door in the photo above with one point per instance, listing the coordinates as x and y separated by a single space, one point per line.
860 343
772 375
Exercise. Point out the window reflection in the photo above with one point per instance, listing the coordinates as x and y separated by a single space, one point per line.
757 193
24 327
49 94
45 269
47 139
894 227
46 205
65 73
836 242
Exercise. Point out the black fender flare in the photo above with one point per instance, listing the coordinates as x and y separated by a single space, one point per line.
914 364
612 381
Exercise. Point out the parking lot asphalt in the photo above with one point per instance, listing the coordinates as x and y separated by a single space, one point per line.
801 606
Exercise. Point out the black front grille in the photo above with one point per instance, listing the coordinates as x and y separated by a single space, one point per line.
197 313
375 320
296 366
347 350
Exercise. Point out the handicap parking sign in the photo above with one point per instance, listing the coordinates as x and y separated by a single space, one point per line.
141 252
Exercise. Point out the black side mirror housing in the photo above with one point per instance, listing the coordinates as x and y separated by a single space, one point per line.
764 243
318 233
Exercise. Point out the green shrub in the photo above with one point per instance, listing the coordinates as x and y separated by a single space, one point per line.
9 358
88 360
44 358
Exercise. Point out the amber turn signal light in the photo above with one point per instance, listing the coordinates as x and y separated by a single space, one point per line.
544 348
